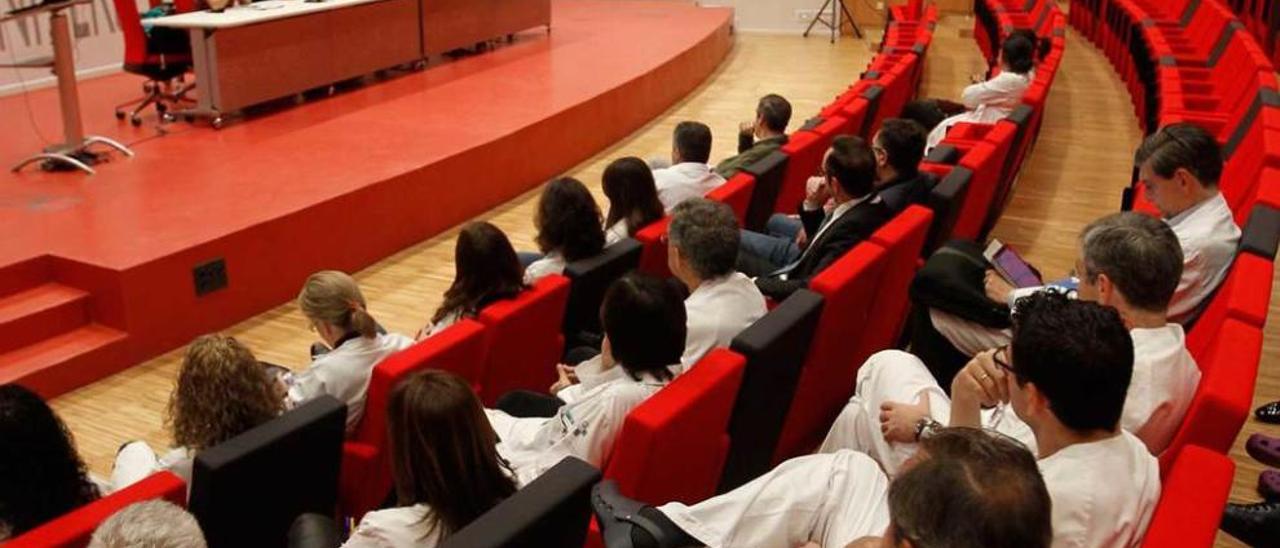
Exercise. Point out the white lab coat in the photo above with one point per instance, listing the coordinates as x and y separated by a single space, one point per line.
1103 492
716 312
585 428
988 102
401 527
344 373
682 181
1164 379
552 263
1208 235
136 460
830 499
444 323
616 233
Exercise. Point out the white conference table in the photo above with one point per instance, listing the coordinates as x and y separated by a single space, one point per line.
254 53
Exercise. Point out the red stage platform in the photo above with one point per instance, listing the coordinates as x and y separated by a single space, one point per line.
96 272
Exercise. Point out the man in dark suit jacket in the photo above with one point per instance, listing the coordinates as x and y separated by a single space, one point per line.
849 175
899 147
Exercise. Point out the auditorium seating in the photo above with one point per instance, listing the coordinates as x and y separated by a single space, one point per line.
1192 497
366 465
552 510
768 173
588 280
903 238
248 490
736 193
73 529
523 339
653 258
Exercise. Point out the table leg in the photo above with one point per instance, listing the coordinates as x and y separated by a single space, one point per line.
64 67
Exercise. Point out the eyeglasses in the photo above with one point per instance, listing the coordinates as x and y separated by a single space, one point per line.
1003 350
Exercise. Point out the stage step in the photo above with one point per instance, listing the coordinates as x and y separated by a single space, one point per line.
41 312
54 365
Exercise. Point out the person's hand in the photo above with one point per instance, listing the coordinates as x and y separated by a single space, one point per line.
996 287
817 195
981 381
747 128
802 238
898 420
567 378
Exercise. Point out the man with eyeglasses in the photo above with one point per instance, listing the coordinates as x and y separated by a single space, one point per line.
1179 167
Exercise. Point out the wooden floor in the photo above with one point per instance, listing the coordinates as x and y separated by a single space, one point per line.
1082 161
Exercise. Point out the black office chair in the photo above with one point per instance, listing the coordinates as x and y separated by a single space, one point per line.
554 510
248 490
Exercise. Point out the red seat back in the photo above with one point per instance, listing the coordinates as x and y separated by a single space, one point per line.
903 238
839 346
736 193
653 258
366 469
1245 295
73 529
987 160
1221 403
1192 497
672 447
524 339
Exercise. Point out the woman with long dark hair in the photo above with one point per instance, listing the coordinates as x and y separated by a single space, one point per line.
568 222
485 270
444 460
41 474
633 198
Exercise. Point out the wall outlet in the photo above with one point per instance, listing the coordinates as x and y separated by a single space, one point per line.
210 276
806 15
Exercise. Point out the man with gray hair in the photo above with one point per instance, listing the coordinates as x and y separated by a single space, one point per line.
1128 261
153 523
702 250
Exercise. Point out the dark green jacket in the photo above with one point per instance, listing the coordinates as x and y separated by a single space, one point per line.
749 153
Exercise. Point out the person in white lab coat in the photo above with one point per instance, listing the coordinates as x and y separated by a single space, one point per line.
990 101
569 229
1179 166
689 175
444 461
486 270
968 489
221 392
633 198
1128 261
336 309
644 335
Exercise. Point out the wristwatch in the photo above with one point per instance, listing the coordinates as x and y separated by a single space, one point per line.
926 427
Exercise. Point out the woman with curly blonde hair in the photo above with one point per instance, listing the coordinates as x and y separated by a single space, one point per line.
221 392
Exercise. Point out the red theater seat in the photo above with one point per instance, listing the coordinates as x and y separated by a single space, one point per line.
1193 495
366 468
839 347
653 258
903 238
736 193
524 339
806 149
73 529
1230 368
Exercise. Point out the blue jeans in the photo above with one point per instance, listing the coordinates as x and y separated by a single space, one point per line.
528 257
776 250
783 226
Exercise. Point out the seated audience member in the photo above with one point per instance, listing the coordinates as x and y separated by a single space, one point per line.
149 524
221 392
644 336
1179 166
779 265
486 270
990 101
569 228
925 112
689 176
445 463
336 309
967 489
1061 388
41 474
898 148
773 113
633 198
1128 261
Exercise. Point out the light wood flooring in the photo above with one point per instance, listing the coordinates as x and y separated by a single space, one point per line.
1075 174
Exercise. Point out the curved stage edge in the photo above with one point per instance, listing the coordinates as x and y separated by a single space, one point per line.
100 276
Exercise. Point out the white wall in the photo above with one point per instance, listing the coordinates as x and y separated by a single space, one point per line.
98 44
770 15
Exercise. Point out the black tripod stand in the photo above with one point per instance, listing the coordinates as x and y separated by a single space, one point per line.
832 22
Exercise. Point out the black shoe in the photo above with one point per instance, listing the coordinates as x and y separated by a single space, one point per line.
1257 525
1269 413
627 523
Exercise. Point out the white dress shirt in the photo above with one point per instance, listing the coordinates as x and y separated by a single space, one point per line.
552 263
1165 377
988 102
716 312
1103 492
682 181
344 373
585 428
400 527
1208 235
616 233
